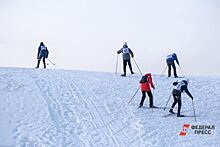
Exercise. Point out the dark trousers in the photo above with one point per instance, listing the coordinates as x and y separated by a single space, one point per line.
38 63
144 96
177 99
125 64
169 64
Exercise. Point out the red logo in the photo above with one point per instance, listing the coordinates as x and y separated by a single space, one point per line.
185 127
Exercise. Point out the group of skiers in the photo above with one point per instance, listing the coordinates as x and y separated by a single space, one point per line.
146 81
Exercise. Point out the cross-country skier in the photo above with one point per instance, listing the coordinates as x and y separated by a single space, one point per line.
126 57
170 62
179 87
42 53
145 83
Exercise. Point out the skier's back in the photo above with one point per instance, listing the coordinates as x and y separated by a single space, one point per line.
145 83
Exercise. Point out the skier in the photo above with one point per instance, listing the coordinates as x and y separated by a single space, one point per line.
126 57
42 53
145 83
170 62
179 88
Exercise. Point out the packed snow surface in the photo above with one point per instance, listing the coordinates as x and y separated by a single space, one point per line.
46 107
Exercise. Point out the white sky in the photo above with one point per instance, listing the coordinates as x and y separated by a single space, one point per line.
85 34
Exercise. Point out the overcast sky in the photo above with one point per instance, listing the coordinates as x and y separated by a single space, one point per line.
85 34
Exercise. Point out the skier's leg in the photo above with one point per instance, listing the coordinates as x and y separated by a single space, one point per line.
143 98
169 70
124 66
174 70
150 98
179 104
44 62
129 64
174 103
38 63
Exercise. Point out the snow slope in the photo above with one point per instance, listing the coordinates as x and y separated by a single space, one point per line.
43 107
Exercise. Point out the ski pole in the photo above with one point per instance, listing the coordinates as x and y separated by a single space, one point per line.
116 68
153 98
167 102
194 110
163 72
181 70
134 95
137 67
51 62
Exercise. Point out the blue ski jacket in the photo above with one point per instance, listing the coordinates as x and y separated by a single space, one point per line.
42 51
172 57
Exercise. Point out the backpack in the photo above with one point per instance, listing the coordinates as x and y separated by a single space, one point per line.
144 79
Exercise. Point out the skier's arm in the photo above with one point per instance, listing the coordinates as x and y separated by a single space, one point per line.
189 94
47 53
119 51
38 53
151 82
177 61
132 54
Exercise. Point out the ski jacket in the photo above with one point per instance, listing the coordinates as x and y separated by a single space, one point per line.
180 87
42 51
126 52
146 86
172 57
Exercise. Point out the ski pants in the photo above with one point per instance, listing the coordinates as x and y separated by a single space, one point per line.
144 96
177 99
38 62
125 64
169 64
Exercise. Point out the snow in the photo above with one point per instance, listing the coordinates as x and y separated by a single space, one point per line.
46 107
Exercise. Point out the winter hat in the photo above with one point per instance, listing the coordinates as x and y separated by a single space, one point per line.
41 44
125 45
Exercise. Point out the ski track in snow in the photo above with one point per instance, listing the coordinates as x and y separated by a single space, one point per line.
76 108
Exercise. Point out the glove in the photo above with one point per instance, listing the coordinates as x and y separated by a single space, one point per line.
192 98
132 56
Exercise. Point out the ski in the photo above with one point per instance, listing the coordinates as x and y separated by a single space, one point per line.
170 114
145 107
175 114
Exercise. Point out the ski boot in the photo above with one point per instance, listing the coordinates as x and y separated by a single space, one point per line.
171 111
123 75
140 106
179 115
153 107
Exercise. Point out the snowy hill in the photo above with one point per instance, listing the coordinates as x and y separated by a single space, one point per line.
75 108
